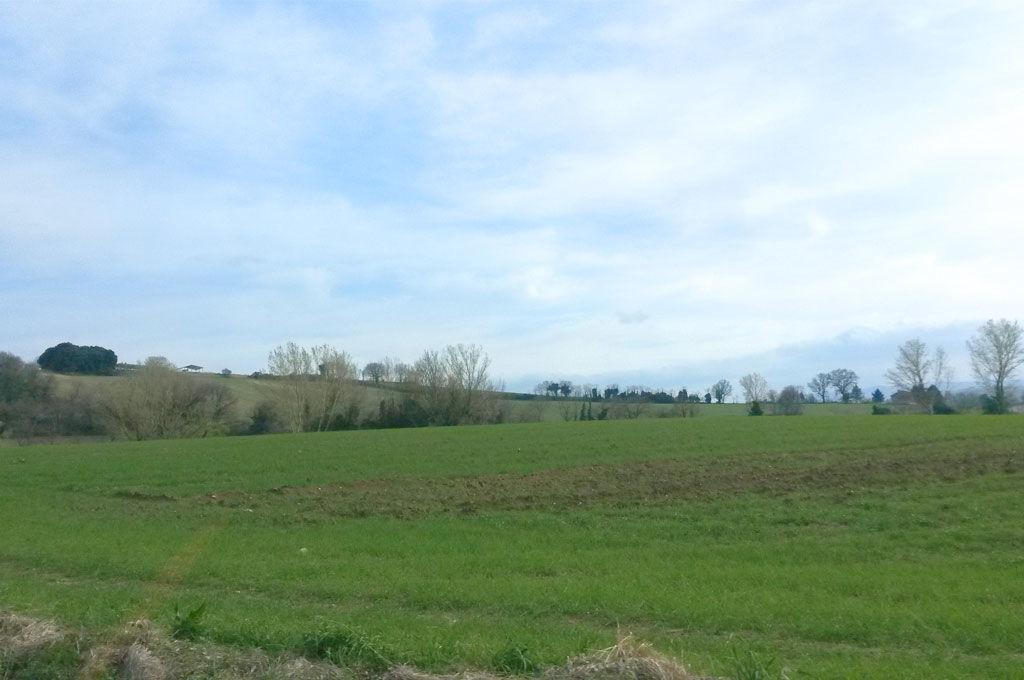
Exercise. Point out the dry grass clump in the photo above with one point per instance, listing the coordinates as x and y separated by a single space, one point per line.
139 652
138 663
127 654
407 673
21 636
627 659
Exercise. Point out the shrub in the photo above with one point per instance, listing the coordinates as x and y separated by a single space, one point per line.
158 402
992 405
265 419
877 410
755 409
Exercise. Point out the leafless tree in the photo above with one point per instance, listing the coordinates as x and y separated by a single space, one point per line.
755 387
915 372
158 402
997 351
389 364
316 390
569 410
820 385
403 373
374 371
454 386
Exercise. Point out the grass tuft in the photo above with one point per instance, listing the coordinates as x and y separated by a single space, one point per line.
627 658
750 666
346 647
516 659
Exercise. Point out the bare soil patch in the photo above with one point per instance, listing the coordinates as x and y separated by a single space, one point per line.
627 484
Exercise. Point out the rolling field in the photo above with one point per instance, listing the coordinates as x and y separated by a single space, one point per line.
840 547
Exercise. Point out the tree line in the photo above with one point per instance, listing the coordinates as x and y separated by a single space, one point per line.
318 388
309 389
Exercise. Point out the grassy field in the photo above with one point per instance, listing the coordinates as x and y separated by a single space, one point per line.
842 547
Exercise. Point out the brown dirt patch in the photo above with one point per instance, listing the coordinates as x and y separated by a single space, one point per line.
627 484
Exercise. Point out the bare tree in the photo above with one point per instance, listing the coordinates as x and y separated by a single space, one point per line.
755 387
468 367
157 402
996 352
317 389
915 372
403 373
454 386
913 367
844 380
568 410
820 385
374 371
389 364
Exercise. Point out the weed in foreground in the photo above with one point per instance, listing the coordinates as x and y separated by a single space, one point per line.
187 623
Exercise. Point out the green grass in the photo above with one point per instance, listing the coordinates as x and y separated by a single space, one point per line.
839 547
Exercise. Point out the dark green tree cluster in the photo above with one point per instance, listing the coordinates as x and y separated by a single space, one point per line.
69 358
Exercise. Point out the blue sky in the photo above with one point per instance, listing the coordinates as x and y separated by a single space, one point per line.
661 193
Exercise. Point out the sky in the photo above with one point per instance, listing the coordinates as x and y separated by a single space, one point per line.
656 193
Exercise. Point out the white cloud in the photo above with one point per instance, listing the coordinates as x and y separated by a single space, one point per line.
666 184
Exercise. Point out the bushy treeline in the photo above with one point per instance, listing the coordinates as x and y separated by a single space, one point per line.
30 406
317 390
311 389
157 401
